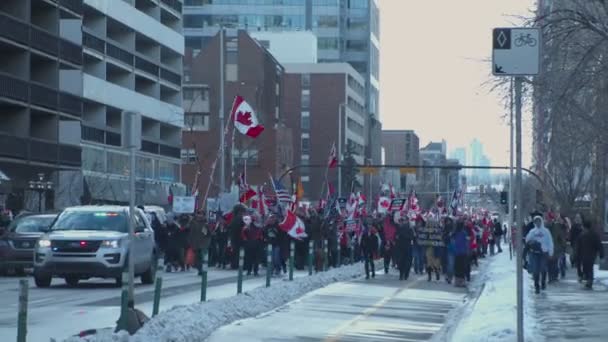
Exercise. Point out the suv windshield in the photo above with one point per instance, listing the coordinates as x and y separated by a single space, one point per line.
92 220
31 224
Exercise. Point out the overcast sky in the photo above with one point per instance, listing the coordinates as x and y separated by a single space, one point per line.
432 71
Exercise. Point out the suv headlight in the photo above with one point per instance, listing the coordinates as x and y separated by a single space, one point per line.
44 243
111 244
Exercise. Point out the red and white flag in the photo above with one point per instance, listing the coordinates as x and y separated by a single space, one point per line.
383 204
293 226
244 118
332 161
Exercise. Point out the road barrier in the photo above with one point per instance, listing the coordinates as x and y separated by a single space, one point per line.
292 251
22 314
326 256
269 265
310 256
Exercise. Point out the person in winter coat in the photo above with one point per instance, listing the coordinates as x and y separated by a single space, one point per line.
173 254
558 233
234 232
540 249
252 238
498 232
575 232
448 230
199 239
369 243
418 250
403 246
589 247
460 243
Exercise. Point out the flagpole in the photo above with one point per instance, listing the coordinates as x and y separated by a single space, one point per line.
220 152
323 184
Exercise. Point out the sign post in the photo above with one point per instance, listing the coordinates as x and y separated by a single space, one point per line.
516 53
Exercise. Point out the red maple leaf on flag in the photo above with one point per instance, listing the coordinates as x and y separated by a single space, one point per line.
299 230
244 118
384 203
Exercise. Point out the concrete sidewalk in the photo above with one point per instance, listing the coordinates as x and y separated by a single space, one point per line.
567 312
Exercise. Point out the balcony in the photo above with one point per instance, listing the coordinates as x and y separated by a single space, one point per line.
174 4
44 41
93 134
13 29
170 151
70 52
73 5
70 104
149 146
92 42
14 88
113 139
39 150
43 96
119 54
146 66
170 76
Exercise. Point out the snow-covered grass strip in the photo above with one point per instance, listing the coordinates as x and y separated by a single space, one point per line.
195 322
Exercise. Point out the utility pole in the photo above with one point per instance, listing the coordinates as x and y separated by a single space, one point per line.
221 115
340 111
520 216
511 187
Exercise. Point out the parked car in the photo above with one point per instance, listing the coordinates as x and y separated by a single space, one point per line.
93 241
18 241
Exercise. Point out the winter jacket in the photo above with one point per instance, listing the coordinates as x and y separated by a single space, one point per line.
369 243
589 246
558 232
497 229
199 234
542 235
460 243
575 232
405 235
252 233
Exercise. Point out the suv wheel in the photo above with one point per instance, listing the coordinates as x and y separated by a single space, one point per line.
72 281
42 281
148 276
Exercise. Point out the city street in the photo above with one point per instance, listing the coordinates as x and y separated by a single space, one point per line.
60 311
381 309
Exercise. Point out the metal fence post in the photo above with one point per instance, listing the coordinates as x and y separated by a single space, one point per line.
291 259
326 256
203 277
22 315
158 286
239 281
123 321
269 265
339 256
310 257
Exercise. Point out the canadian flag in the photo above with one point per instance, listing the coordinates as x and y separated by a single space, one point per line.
293 226
245 120
332 161
383 204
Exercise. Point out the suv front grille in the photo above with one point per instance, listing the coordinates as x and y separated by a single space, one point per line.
24 244
75 246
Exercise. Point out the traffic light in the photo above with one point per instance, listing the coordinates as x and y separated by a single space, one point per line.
504 197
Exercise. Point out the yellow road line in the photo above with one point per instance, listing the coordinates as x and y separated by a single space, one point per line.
337 333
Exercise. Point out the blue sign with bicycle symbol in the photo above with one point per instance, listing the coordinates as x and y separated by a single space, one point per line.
516 51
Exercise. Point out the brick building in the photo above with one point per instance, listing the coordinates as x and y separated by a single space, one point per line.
252 72
401 147
314 97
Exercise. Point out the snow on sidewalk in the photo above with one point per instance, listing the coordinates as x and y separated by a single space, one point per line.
197 321
493 315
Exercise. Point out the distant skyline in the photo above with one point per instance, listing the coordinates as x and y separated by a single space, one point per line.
433 69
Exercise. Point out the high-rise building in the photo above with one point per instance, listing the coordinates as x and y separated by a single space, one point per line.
323 103
347 30
132 61
460 154
476 157
41 107
401 147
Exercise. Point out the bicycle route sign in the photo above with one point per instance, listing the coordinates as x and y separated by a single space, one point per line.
516 51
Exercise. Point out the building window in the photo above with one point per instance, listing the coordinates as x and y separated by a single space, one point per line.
145 167
188 156
168 171
196 121
195 94
305 145
93 160
327 43
250 155
305 123
305 81
305 101
356 45
118 164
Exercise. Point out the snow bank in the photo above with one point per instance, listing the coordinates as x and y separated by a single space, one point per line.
601 276
197 321
493 315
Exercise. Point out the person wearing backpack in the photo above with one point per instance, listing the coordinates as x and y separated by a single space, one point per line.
540 248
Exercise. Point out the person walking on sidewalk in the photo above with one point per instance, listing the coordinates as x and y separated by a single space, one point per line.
540 246
369 247
403 247
575 232
199 239
589 247
558 232
498 233
460 243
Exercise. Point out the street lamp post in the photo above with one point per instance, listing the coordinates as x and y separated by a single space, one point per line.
41 186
